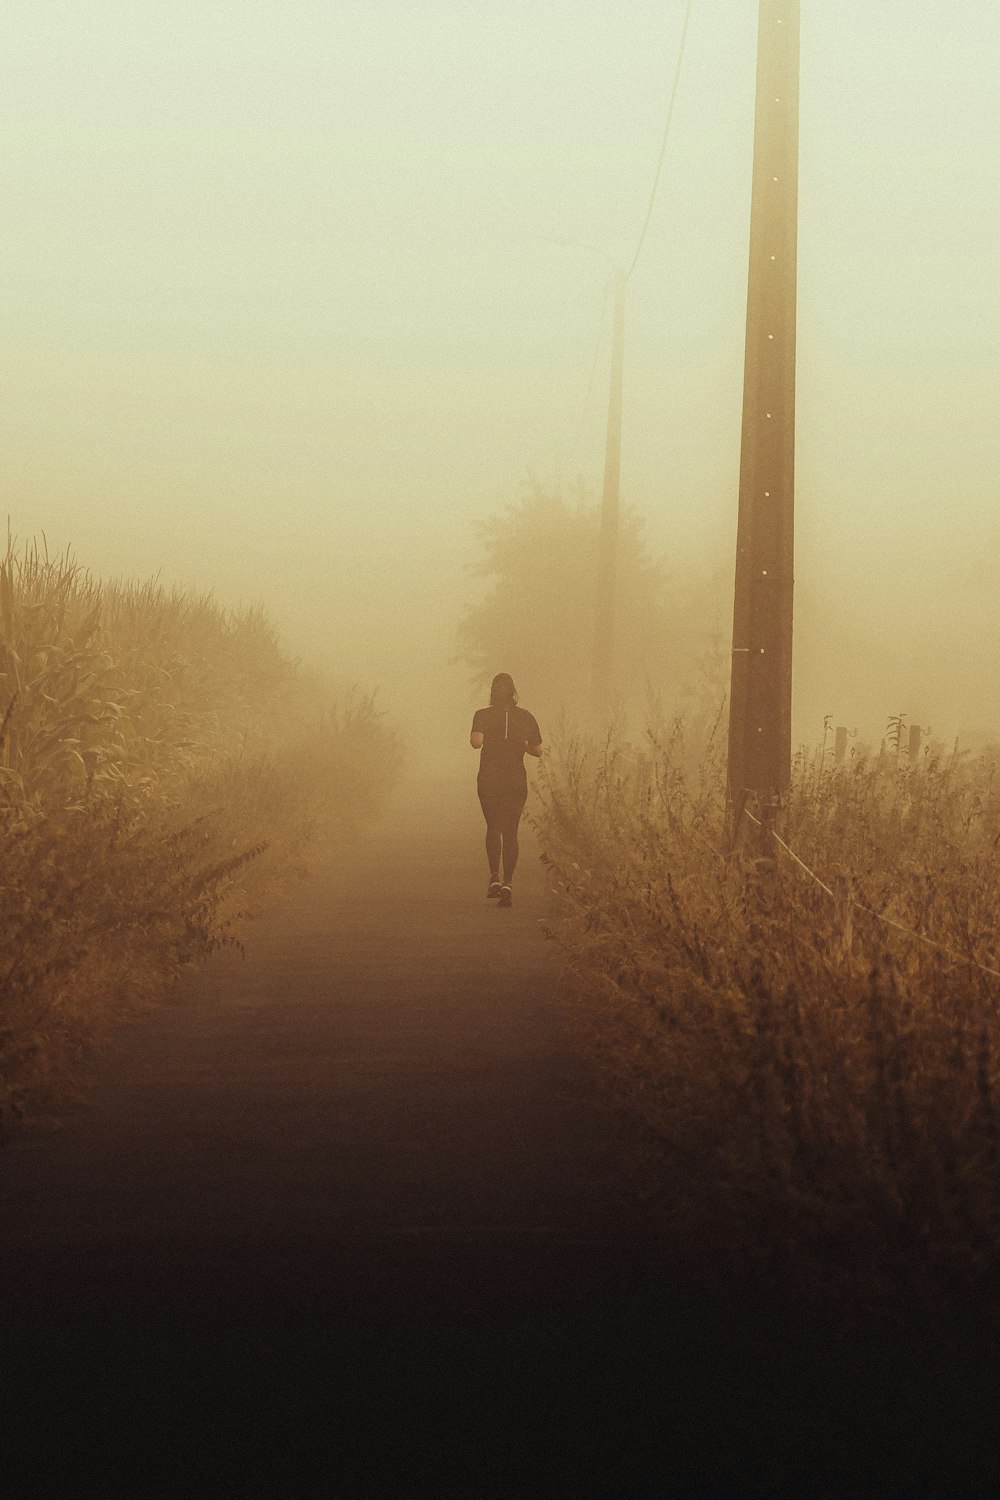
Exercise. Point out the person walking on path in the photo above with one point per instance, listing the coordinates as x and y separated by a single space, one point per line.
502 733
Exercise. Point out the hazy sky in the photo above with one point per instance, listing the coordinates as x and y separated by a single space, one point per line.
281 313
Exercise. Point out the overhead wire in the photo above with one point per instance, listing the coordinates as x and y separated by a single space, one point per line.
663 143
646 222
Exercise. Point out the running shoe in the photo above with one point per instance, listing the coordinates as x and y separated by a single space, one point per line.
494 886
505 896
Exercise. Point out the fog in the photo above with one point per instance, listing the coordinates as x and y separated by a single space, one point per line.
285 315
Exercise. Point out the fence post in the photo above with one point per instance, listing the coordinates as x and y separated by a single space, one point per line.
914 746
844 914
840 745
769 806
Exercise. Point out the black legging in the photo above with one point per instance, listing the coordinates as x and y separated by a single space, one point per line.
502 809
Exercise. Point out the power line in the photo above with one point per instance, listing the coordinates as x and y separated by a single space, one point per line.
663 144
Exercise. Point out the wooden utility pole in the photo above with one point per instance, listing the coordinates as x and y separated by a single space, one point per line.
604 614
760 705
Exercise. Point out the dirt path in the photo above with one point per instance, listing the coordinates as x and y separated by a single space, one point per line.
348 1203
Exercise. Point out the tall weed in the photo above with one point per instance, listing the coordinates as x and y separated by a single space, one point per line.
164 769
817 1092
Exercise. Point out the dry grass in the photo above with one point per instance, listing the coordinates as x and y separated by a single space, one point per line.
164 769
817 1094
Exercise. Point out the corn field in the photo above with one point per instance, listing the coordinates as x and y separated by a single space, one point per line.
813 1093
164 769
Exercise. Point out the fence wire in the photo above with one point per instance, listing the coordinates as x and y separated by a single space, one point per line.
921 937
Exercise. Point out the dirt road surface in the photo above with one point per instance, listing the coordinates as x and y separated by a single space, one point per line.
345 1218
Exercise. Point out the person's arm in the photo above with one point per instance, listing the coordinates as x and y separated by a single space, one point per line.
476 739
535 750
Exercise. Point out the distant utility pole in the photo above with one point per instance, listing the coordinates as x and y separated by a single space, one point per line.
760 704
604 613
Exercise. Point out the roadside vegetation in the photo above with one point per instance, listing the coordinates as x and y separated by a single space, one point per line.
813 1094
165 769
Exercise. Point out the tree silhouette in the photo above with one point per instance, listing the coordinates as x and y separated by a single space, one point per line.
535 614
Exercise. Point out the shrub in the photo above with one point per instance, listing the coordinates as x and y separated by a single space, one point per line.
164 769
815 1091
